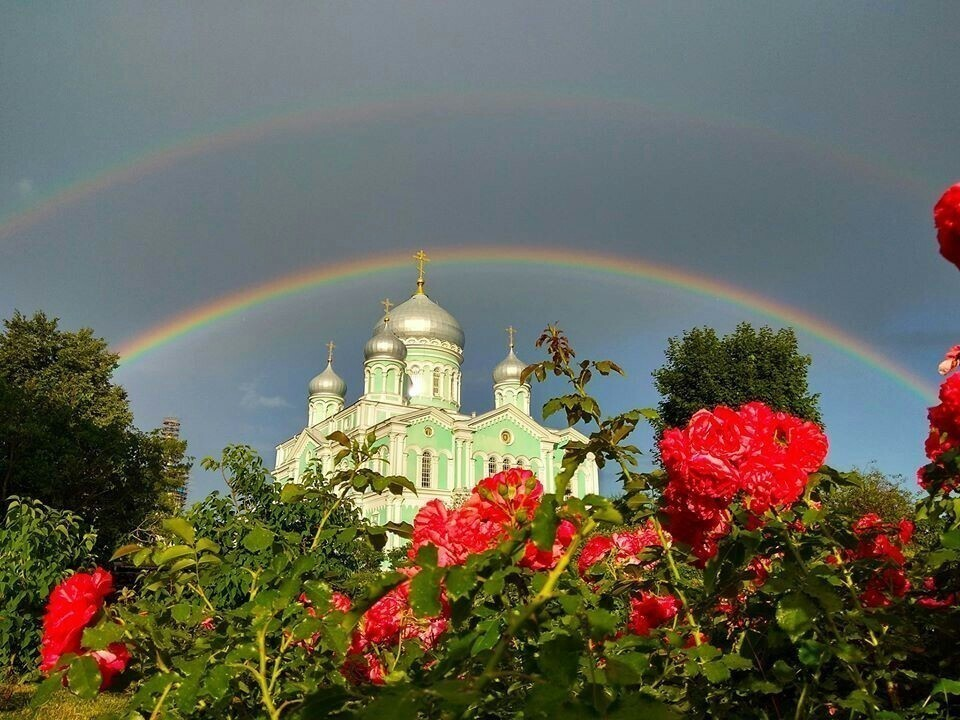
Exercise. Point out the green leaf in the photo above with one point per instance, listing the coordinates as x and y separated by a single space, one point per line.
181 528
716 671
292 492
951 539
795 614
425 592
259 538
339 438
490 634
98 637
602 623
83 677
947 687
460 582
124 551
560 658
627 669
172 553
544 530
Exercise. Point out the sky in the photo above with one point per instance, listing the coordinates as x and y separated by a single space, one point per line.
156 157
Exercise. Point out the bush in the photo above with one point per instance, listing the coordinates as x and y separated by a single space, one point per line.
733 592
39 546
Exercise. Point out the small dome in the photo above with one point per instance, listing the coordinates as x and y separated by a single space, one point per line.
509 369
328 383
384 344
421 317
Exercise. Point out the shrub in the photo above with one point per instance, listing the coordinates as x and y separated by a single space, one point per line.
39 546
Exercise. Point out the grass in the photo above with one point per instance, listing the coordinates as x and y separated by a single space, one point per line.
15 705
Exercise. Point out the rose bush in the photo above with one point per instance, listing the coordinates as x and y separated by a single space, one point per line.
719 586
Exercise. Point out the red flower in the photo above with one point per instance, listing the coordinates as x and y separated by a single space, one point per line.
537 559
946 217
892 582
457 534
629 546
649 611
881 541
761 456
111 662
950 361
73 606
361 668
508 499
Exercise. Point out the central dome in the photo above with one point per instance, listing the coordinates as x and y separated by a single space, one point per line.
421 317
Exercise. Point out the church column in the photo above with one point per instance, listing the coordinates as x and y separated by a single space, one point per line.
546 453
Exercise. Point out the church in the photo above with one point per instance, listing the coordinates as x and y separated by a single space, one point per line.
411 402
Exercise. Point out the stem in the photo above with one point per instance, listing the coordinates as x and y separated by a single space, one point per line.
803 698
329 512
524 613
674 570
262 675
828 619
162 699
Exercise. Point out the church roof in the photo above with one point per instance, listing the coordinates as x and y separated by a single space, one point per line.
421 317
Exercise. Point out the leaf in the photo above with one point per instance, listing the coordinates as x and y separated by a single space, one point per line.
181 528
947 687
97 638
951 539
716 671
602 623
172 553
124 551
259 538
795 614
84 678
560 658
460 582
292 492
544 530
425 592
489 637
339 438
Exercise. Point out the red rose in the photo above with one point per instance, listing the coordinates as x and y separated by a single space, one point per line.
946 218
111 662
537 559
950 361
649 611
509 498
628 546
718 433
456 534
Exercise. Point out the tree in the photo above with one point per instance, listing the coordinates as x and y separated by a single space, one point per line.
703 370
66 430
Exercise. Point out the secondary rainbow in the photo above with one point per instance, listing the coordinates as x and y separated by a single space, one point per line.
288 285
367 110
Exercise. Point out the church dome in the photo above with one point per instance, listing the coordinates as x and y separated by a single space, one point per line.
509 369
421 317
328 383
384 344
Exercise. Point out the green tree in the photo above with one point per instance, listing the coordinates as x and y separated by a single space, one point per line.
703 370
66 432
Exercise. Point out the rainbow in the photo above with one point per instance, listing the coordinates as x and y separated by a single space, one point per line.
356 111
288 285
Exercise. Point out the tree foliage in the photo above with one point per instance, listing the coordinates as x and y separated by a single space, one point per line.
703 370
66 432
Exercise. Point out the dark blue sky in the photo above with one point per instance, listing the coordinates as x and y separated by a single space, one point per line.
792 150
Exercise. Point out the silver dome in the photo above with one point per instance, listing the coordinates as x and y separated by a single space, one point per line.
421 317
384 344
328 383
509 369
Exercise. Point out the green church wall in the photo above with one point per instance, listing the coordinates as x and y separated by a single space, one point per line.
487 440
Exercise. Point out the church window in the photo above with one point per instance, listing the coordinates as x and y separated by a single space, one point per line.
520 464
428 431
491 467
506 437
426 469
436 382
506 464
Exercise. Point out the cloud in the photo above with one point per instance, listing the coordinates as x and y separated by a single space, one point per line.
252 399
25 187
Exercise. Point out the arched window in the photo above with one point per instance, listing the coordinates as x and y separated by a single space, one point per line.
520 464
506 464
491 467
436 382
426 469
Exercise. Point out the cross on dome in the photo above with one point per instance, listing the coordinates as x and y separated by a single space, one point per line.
510 331
330 346
421 258
386 307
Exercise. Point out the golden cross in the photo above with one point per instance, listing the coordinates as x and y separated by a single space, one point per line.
421 258
386 305
510 331
330 347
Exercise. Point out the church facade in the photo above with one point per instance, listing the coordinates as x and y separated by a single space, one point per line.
411 402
